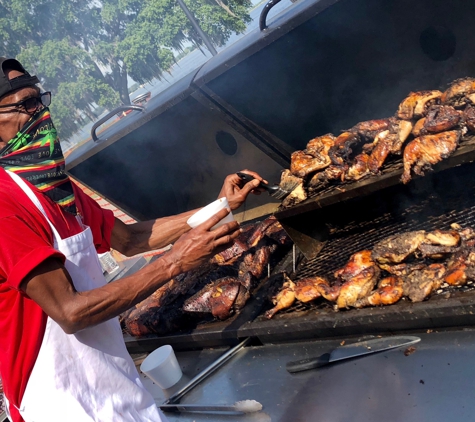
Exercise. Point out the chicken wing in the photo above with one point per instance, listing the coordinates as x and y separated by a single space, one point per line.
415 105
389 291
284 298
308 289
428 150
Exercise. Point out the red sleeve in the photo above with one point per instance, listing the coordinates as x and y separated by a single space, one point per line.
100 220
23 248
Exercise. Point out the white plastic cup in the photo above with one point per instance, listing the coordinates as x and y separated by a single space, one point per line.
207 212
162 367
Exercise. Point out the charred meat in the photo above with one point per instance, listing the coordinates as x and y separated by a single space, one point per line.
425 151
440 118
419 284
460 93
469 118
340 152
416 104
369 129
395 249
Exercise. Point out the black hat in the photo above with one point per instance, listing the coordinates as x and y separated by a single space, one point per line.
8 85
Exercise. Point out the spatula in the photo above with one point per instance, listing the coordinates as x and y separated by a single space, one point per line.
274 191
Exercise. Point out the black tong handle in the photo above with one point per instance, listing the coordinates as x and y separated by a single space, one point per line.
247 178
310 363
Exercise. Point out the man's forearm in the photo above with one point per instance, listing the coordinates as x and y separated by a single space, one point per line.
144 236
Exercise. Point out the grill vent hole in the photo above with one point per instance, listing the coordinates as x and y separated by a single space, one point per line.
438 43
226 142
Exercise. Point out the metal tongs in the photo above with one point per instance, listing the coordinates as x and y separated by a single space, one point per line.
274 191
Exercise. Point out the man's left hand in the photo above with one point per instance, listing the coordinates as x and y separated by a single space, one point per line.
236 190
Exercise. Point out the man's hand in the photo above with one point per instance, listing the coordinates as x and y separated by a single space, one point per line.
236 190
199 244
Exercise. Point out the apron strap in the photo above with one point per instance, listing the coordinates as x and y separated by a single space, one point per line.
25 188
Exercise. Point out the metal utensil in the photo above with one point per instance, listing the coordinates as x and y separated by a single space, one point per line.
207 371
351 351
243 406
274 191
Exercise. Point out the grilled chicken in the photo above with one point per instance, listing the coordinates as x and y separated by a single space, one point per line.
425 151
389 291
438 244
369 129
460 93
396 248
419 284
440 118
308 289
255 262
418 128
360 167
340 152
294 184
231 254
416 104
384 143
319 148
302 164
262 229
469 118
284 298
358 276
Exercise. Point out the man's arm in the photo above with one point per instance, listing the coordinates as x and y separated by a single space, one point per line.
50 285
132 239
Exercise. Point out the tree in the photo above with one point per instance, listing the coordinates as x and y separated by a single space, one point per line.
84 51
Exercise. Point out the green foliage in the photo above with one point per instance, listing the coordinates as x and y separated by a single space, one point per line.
83 51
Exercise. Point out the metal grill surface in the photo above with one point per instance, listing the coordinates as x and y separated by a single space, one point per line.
434 212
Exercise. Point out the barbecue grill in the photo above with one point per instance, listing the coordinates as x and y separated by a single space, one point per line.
320 67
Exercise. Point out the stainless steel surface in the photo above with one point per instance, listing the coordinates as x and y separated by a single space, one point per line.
208 371
434 383
371 346
200 408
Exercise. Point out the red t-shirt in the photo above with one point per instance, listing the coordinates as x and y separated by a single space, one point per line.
26 241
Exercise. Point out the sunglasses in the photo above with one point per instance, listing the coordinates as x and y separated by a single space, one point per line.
31 105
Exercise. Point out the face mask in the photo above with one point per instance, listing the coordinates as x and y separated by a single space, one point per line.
35 155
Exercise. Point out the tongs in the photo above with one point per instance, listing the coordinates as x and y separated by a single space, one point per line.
274 191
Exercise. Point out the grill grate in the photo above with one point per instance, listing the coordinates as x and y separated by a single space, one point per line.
437 211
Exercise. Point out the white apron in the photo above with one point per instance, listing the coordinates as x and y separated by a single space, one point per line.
87 376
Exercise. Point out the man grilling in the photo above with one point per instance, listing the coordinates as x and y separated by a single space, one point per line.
62 354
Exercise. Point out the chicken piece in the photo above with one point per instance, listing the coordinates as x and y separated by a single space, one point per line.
415 105
244 293
469 118
389 291
294 185
223 296
460 93
308 289
428 150
256 261
439 244
440 118
396 248
417 130
384 142
359 277
230 255
370 128
340 152
401 270
319 148
261 230
419 284
303 164
295 197
456 274
284 298
444 238
360 168
402 130
465 234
